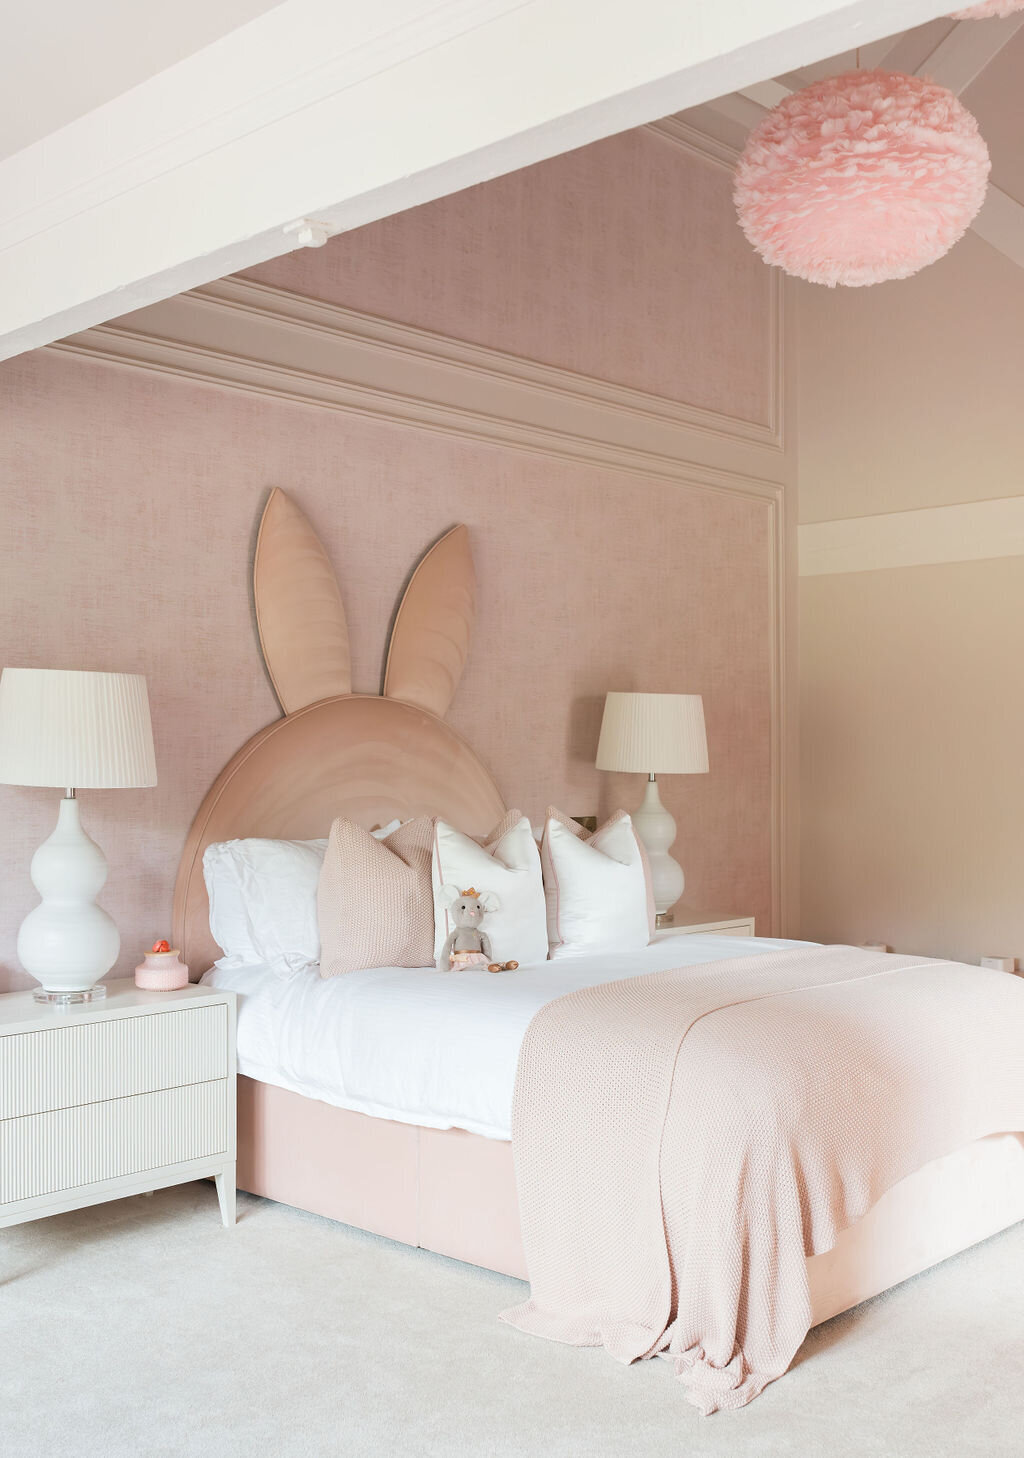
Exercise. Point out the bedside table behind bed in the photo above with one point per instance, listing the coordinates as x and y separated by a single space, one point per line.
688 922
115 1098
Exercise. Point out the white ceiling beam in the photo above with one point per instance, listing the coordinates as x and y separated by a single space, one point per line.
341 112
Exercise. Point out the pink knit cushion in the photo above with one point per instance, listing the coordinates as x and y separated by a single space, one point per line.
374 901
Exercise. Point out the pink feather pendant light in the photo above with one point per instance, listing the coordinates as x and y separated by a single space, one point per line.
863 177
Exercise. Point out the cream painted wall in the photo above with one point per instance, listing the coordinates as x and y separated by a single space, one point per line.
912 699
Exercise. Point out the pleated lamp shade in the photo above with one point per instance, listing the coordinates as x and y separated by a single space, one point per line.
653 734
75 730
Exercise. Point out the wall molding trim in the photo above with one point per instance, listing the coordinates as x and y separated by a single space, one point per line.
721 154
684 134
968 532
780 725
251 337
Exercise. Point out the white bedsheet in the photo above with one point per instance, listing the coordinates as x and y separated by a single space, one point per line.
424 1047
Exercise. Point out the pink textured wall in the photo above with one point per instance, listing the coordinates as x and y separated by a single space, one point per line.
130 503
621 260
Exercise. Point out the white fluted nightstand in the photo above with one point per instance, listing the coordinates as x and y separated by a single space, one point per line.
688 923
113 1098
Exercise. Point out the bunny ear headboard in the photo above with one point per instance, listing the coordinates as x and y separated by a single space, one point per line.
334 752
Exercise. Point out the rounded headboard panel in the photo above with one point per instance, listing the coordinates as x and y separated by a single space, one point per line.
335 752
371 759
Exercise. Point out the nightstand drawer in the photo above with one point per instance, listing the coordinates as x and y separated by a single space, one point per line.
58 1068
45 1153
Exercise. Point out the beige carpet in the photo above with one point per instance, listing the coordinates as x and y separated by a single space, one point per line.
143 1328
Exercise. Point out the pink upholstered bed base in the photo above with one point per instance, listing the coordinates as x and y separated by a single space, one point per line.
454 1193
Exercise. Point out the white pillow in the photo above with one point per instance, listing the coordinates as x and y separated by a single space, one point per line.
263 900
598 898
507 864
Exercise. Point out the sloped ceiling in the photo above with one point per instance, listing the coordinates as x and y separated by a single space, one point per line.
62 59
997 100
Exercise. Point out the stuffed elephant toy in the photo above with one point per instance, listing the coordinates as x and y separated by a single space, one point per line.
467 945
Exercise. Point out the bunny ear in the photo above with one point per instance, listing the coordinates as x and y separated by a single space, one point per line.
430 639
299 611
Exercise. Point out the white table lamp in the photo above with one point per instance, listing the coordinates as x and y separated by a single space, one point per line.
655 734
77 731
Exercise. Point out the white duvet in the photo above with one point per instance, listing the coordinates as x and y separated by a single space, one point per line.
424 1047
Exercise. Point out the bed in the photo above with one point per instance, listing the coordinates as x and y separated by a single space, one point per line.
381 1099
373 1100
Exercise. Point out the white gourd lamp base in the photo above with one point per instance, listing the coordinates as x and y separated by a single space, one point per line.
69 726
67 942
648 733
657 829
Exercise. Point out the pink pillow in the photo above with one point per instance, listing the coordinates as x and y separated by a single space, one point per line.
374 901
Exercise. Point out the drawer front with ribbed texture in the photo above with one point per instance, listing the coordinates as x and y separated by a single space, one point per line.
46 1153
58 1068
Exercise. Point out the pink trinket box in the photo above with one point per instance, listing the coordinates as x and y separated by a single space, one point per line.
161 972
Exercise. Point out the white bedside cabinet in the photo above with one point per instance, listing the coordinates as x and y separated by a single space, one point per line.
115 1098
688 923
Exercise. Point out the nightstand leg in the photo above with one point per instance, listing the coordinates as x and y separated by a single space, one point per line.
226 1194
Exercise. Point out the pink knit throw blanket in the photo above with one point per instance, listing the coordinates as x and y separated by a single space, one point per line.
684 1140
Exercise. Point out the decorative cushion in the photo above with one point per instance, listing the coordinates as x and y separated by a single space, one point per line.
375 903
507 864
262 896
597 886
